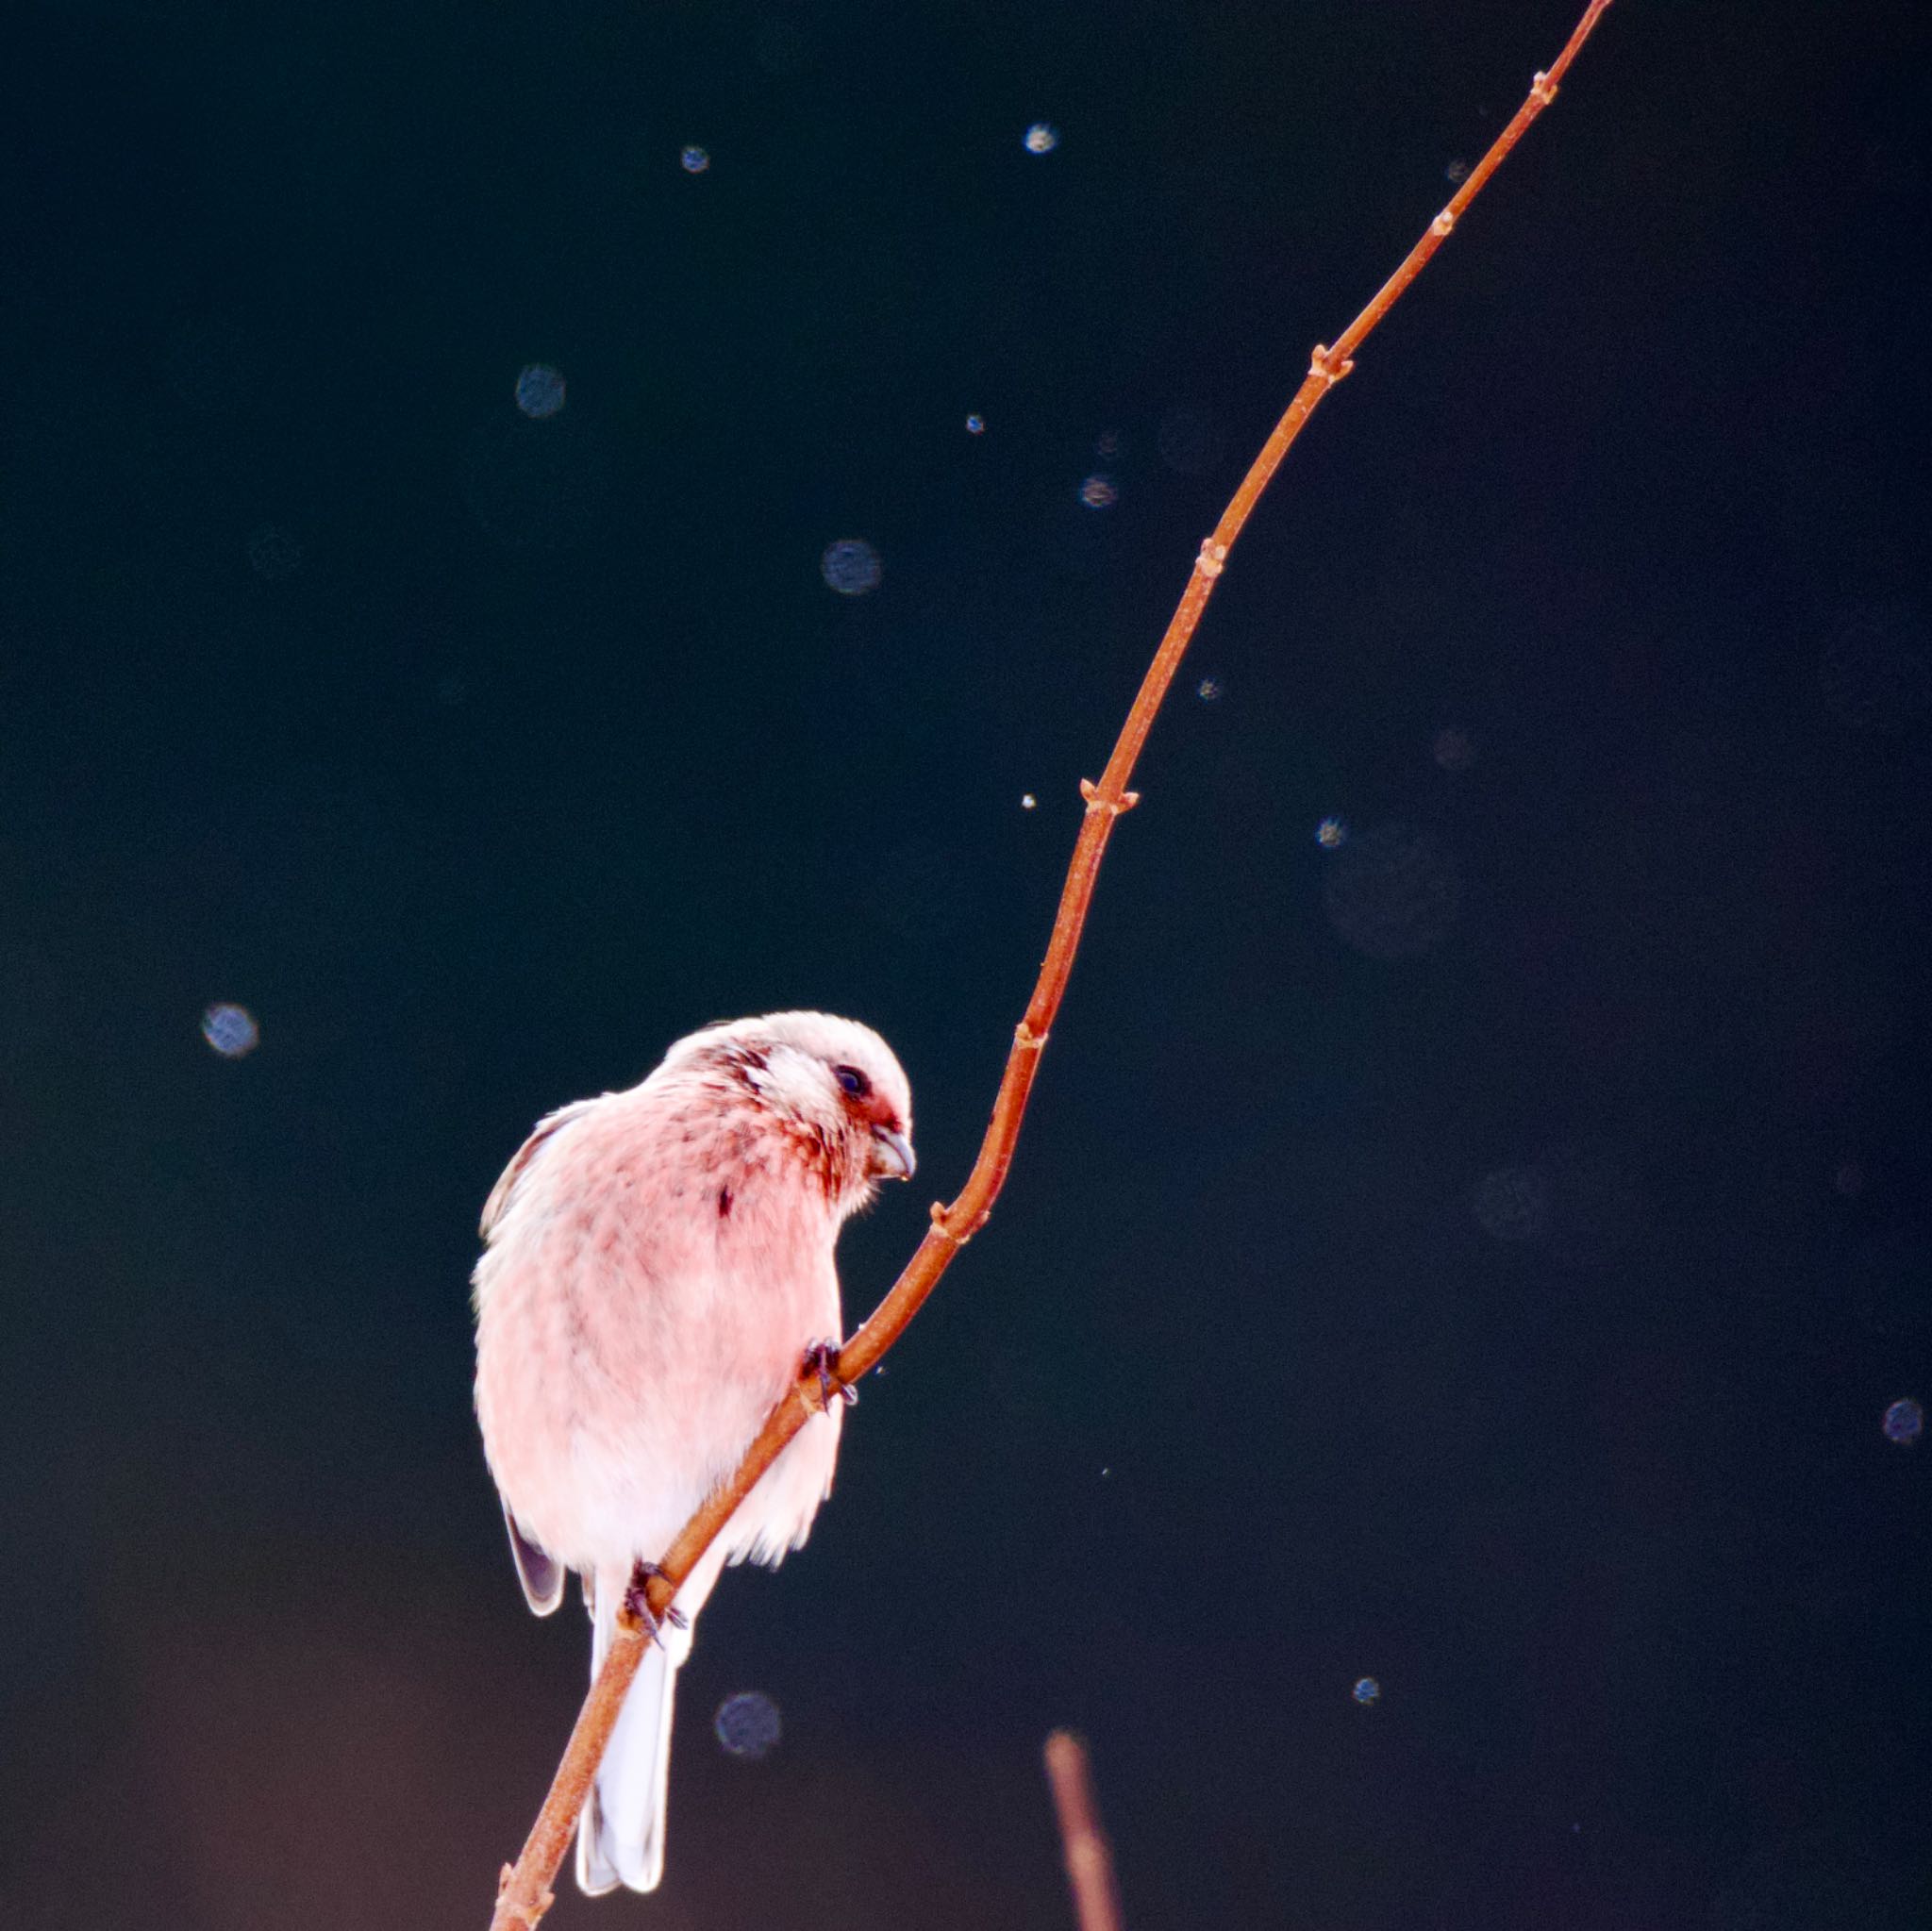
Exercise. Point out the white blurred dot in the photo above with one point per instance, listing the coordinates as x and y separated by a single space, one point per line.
747 1724
230 1029
1367 1690
540 391
1330 833
1042 138
1098 492
975 425
851 567
695 161
1027 801
1209 688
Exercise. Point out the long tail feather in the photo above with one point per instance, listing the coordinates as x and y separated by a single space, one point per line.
621 1840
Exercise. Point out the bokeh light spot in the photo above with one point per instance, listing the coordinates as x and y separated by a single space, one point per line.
540 391
1098 492
695 161
747 1724
850 567
230 1029
1330 833
274 554
1457 172
1367 1690
1027 801
1904 1422
1042 138
975 425
1584 1203
1209 689
1513 1204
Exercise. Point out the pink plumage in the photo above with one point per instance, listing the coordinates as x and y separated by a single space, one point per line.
656 1262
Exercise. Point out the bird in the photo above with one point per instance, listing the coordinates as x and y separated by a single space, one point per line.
657 1265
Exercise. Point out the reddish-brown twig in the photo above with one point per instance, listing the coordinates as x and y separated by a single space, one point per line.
523 1891
1083 1844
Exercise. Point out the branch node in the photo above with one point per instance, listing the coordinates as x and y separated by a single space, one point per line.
1542 90
1444 223
1090 791
940 1211
521 1916
1026 1038
1212 559
1323 363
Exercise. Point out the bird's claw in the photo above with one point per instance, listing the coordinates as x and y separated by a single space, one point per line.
637 1603
821 1358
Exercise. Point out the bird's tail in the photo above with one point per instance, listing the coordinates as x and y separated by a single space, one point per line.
621 1840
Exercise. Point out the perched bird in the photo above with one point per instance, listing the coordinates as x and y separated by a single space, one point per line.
657 1264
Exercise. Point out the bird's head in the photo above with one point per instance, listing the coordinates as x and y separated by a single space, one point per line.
835 1082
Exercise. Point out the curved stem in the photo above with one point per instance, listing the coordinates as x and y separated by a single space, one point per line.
1088 1856
523 1893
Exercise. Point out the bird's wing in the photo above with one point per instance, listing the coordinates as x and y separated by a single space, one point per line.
506 1185
540 1573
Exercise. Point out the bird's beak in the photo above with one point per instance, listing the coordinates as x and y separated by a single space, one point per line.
892 1154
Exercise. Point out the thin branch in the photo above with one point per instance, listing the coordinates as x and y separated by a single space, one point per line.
1088 1858
523 1891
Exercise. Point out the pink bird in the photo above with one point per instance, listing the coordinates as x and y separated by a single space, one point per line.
657 1265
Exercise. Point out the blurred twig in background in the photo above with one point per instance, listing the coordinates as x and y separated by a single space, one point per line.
1089 1861
523 1893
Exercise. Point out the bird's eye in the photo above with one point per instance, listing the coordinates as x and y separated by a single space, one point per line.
853 1081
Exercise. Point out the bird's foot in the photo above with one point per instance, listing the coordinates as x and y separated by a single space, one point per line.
637 1603
821 1358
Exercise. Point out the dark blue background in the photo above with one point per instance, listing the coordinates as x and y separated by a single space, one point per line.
1478 1256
